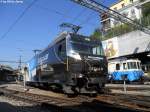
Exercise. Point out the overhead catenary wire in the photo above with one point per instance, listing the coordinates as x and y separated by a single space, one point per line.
17 20
79 15
7 61
87 19
12 26
49 10
98 7
26 9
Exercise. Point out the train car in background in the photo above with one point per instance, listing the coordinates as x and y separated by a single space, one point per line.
72 62
146 69
129 68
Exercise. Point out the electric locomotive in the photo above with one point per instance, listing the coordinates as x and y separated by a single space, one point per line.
72 62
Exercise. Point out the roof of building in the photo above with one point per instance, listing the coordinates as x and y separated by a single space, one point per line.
6 67
116 3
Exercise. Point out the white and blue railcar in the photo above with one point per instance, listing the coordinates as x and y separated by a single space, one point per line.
130 68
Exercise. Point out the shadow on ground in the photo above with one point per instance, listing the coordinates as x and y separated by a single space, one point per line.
95 106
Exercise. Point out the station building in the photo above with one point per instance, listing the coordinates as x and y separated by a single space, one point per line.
7 73
132 45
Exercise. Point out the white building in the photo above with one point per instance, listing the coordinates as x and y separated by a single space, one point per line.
129 8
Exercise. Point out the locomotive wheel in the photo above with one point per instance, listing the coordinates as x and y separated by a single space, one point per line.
93 94
67 89
100 88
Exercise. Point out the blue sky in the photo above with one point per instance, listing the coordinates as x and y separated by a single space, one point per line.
40 25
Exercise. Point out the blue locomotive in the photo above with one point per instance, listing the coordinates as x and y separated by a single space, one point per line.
72 62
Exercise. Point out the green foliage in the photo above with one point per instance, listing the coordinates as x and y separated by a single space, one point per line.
97 35
146 9
146 20
118 30
124 28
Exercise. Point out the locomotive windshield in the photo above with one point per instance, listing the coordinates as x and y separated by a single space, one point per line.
84 45
92 49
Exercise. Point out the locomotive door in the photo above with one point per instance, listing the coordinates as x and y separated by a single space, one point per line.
60 67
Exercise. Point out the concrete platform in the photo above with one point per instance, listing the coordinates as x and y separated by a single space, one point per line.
129 85
142 90
140 93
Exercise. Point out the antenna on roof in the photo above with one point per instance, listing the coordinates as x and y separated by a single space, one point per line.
74 28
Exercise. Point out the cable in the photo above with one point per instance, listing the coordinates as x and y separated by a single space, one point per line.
16 21
58 13
87 19
98 7
79 15
63 17
4 61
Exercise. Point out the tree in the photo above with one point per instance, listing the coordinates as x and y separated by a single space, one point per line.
146 9
96 34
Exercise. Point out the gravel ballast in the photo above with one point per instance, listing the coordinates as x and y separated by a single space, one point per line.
11 105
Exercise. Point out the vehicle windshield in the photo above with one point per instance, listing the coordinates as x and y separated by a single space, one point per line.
133 65
86 46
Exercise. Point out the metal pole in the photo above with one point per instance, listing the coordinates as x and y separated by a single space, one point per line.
124 85
67 64
20 63
25 74
19 68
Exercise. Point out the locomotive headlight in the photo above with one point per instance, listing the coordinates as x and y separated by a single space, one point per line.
80 75
75 55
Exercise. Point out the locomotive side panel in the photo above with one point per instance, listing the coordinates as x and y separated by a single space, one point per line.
49 66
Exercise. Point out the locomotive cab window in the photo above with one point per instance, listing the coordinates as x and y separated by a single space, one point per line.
97 50
86 46
62 50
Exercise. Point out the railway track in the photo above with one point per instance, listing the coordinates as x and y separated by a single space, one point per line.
101 103
130 101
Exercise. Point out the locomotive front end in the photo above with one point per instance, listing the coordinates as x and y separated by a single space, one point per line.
86 63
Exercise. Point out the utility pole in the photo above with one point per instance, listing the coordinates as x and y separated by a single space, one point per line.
25 74
20 63
20 60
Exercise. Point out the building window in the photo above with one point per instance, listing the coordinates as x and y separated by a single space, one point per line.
133 14
131 1
122 5
125 14
115 8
